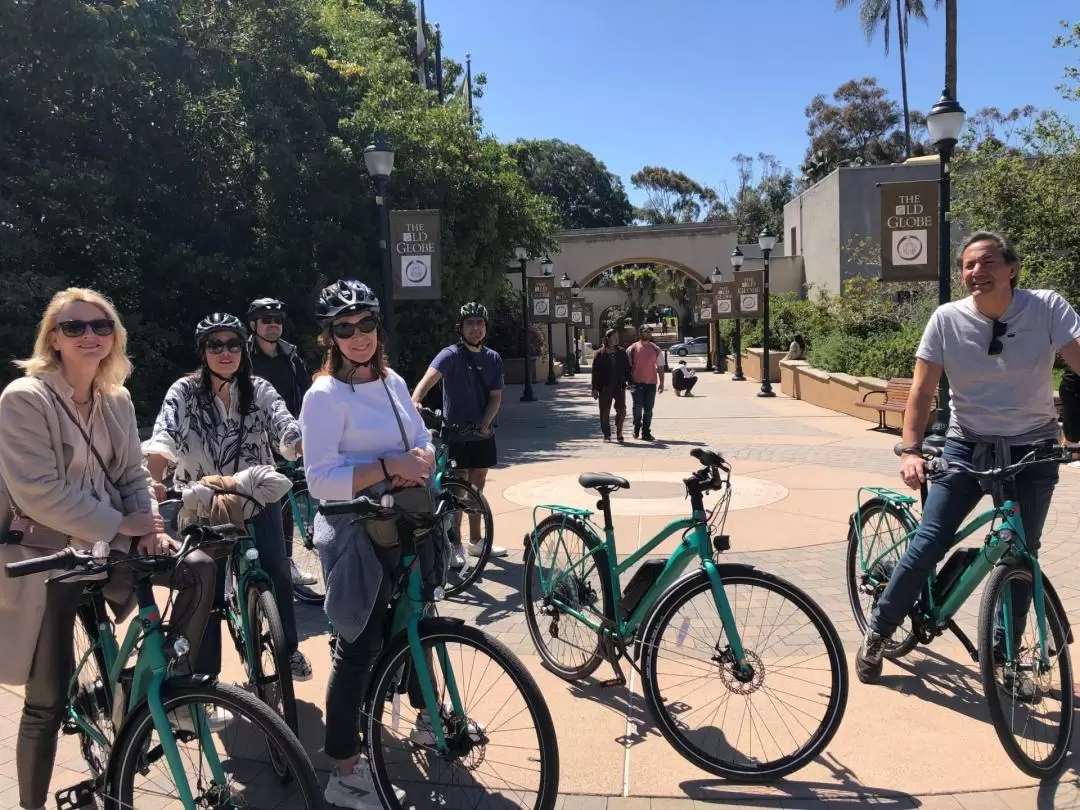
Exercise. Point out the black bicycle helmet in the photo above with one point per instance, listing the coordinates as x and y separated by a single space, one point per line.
473 309
218 322
265 306
344 298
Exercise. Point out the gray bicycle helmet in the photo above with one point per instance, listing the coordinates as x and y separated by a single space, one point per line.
218 322
344 298
473 309
265 306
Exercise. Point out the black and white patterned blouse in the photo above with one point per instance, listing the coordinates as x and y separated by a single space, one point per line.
201 442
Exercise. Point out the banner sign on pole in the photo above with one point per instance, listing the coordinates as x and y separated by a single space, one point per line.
542 296
588 316
725 300
562 304
577 312
416 255
751 286
909 231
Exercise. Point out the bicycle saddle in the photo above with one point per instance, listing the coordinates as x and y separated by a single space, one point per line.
602 481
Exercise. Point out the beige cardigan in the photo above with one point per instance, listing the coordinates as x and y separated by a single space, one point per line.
33 475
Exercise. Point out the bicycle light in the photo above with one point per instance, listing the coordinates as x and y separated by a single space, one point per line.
438 593
1006 535
251 555
181 646
100 551
386 501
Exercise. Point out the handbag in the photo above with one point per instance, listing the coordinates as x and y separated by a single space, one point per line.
385 532
25 529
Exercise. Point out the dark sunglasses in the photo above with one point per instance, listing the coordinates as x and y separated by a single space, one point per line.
271 320
232 345
345 330
1000 328
102 327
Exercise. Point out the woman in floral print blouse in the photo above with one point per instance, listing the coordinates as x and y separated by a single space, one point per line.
220 420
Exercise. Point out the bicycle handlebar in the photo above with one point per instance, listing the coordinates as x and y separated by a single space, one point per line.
937 465
94 561
366 508
434 420
64 560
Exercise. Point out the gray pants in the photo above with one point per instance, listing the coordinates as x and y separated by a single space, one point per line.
54 661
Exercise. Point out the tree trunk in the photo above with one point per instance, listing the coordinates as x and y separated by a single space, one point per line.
950 47
902 36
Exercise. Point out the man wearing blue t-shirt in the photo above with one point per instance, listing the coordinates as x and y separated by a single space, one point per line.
472 387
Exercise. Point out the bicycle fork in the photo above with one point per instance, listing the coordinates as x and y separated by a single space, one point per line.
742 669
423 674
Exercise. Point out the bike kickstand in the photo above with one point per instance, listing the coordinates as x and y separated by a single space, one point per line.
612 653
973 651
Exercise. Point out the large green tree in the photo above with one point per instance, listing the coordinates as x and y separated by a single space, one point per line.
188 155
671 196
756 205
585 193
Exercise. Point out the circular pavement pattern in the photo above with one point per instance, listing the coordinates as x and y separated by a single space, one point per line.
655 492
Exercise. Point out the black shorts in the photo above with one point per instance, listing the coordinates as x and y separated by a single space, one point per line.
480 455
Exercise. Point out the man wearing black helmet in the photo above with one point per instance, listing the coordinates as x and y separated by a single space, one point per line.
280 364
472 387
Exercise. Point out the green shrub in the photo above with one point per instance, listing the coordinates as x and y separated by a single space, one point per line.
837 352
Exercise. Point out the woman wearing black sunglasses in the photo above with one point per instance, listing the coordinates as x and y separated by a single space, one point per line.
220 420
361 431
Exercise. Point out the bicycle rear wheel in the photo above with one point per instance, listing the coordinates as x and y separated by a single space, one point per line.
570 648
1019 691
504 733
880 525
304 554
474 504
271 671
92 698
798 675
139 768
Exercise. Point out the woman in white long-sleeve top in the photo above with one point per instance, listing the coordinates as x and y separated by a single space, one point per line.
360 432
218 421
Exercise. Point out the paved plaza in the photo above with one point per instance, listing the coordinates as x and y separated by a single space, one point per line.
921 738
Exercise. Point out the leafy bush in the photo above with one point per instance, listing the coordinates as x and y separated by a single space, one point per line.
504 332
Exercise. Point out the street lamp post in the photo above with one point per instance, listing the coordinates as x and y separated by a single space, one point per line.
568 370
521 260
548 267
766 241
379 161
707 286
714 328
575 292
737 259
944 123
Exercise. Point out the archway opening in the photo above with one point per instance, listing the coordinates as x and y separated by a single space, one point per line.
656 291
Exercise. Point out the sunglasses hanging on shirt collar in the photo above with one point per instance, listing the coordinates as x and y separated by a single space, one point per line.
996 346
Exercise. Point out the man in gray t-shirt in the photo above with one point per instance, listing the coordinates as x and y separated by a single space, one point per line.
997 347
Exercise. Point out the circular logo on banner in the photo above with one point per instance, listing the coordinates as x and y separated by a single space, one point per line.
540 306
909 248
723 306
749 303
416 271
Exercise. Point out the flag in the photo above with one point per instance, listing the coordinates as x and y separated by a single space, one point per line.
438 63
421 46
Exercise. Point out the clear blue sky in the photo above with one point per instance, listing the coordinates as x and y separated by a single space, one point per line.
688 84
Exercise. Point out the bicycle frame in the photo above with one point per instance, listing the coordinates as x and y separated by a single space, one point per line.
151 671
243 564
1007 516
695 543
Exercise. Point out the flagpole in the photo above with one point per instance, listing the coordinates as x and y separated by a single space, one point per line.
438 62
468 83
421 46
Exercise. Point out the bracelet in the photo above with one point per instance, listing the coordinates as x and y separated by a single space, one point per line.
385 472
911 450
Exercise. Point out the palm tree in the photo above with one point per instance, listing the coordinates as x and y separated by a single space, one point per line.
875 13
683 292
950 45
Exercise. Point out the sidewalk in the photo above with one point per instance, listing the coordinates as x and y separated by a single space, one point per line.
922 738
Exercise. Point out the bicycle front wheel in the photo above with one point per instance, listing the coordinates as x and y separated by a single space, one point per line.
503 752
304 554
271 672
141 777
474 506
1031 706
754 725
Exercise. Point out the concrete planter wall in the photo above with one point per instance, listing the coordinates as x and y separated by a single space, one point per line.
753 360
514 370
837 392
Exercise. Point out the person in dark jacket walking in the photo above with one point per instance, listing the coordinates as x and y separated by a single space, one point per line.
280 364
610 376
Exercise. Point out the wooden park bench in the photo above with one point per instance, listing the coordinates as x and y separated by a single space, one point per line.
896 392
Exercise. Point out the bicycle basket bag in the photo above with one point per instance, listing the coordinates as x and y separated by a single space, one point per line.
643 579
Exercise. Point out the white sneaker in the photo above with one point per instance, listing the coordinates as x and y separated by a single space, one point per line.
476 549
357 790
299 666
423 734
301 577
182 719
457 557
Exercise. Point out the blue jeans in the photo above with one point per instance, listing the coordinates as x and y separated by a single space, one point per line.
644 397
950 500
270 540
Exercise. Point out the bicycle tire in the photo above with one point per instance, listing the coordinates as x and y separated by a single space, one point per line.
260 601
307 594
532 621
129 757
1058 758
895 648
93 676
762 772
474 574
383 685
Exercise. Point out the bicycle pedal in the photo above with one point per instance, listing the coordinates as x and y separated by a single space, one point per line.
618 680
77 797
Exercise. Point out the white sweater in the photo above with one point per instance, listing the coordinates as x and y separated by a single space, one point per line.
345 427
